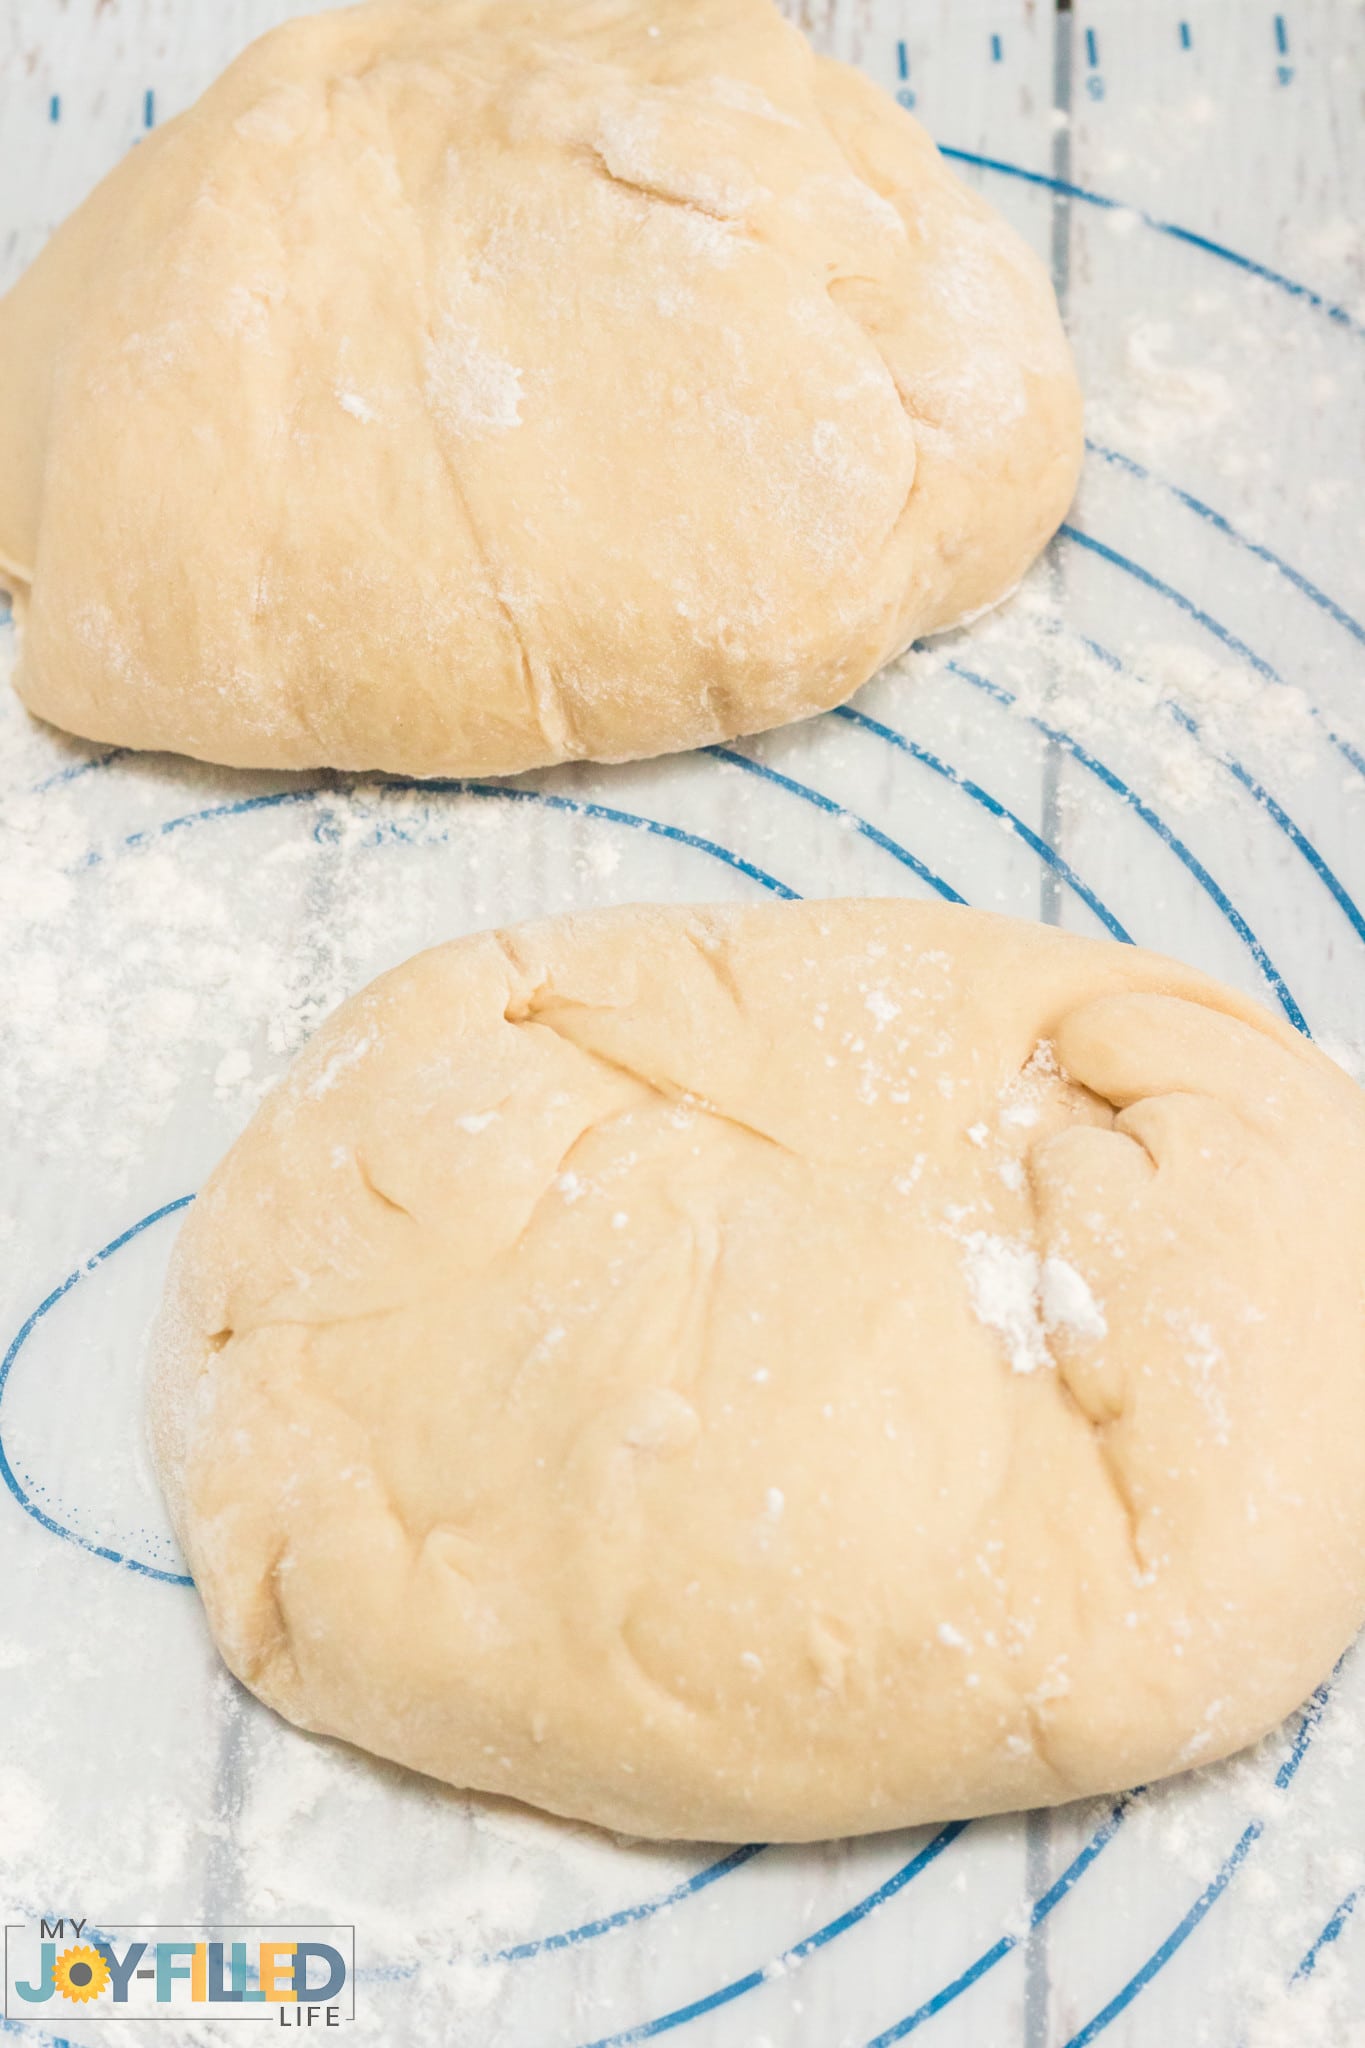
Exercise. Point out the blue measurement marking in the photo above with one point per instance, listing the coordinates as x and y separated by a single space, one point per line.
1092 48
1298 839
1341 315
1149 818
54 107
1214 1889
1217 1885
1330 1933
1119 460
1046 853
7 1473
79 768
148 108
1278 815
902 60
1185 35
791 1958
572 1937
997 50
573 806
1007 1943
1157 1961
1281 36
1260 795
1346 748
849 818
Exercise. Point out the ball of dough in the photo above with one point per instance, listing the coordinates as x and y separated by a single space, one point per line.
459 388
780 1372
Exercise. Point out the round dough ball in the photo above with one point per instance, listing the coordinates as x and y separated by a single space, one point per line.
462 387
781 1372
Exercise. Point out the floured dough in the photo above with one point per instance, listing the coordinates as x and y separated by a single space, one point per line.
460 387
781 1372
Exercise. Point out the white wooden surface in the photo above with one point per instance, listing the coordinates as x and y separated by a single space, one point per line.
153 987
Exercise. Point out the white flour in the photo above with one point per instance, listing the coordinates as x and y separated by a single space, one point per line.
1025 1298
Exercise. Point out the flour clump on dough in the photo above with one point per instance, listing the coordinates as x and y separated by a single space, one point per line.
781 1372
459 388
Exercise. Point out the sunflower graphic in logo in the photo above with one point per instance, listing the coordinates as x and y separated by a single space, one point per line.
80 1973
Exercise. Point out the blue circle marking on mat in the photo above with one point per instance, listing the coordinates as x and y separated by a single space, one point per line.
1213 1890
1261 796
1154 823
7 1472
1297 838
1038 1912
1118 460
861 825
1225 637
504 792
1341 316
1046 853
573 1937
797 1954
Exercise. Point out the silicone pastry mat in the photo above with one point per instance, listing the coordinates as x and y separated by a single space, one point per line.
1160 738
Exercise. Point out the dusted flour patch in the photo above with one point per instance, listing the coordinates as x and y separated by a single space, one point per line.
468 387
1002 1281
457 390
1023 1297
613 1369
